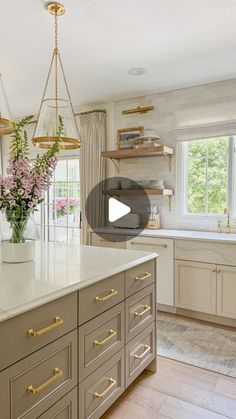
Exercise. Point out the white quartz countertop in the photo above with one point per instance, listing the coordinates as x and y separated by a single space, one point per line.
172 234
59 270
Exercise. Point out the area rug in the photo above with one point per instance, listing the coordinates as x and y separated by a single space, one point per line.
197 343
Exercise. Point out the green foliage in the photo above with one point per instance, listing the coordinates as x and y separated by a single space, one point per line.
19 141
207 175
41 162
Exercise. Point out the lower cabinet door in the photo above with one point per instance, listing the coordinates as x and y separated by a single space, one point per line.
66 408
33 385
100 390
195 286
226 291
139 353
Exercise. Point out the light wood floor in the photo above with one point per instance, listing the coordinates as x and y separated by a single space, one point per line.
177 391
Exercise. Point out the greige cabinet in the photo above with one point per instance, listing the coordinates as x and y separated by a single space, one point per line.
206 288
226 291
195 286
72 358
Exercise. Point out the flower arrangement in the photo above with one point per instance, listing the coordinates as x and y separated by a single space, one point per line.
23 187
64 206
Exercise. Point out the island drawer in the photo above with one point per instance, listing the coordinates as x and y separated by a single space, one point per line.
139 277
99 391
139 311
24 334
66 408
99 339
139 353
99 297
34 384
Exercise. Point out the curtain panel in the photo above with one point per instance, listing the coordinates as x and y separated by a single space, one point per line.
92 165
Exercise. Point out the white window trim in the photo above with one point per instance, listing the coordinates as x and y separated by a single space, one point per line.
44 226
205 220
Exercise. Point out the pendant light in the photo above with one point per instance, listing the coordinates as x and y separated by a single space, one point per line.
56 103
7 126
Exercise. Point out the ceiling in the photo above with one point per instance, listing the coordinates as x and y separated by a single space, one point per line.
180 43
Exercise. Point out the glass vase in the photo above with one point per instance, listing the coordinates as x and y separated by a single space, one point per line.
18 235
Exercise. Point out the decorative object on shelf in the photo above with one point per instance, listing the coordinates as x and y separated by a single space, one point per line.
139 109
154 221
56 101
156 184
226 227
7 126
20 193
126 135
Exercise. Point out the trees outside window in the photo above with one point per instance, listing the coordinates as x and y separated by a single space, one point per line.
206 173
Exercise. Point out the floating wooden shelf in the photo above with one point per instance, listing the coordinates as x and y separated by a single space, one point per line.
159 151
149 191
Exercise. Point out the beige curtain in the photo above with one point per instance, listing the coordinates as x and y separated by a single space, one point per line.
92 165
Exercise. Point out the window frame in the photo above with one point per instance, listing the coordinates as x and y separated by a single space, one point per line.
44 208
181 182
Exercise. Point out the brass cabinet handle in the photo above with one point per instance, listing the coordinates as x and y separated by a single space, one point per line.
143 276
109 388
107 297
112 333
218 271
147 349
56 322
56 374
146 309
149 244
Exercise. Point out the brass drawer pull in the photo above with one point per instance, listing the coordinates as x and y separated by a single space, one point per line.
143 276
107 297
112 333
56 374
164 246
111 385
146 309
56 322
147 349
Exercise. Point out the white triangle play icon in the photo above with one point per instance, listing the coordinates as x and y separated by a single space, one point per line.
117 209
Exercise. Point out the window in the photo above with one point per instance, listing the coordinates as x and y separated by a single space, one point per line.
206 176
60 213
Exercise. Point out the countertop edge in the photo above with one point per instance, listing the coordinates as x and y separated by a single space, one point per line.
57 294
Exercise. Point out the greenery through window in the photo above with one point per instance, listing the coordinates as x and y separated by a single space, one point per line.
207 175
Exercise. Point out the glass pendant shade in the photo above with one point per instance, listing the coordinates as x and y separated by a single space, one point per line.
56 120
7 126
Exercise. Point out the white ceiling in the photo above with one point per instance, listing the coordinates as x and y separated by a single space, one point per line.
180 42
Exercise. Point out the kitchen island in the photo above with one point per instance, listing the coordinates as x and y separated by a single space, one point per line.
77 326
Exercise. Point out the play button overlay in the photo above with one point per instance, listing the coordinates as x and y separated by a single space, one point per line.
116 204
117 209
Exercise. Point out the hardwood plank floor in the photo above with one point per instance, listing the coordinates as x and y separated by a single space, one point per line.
177 391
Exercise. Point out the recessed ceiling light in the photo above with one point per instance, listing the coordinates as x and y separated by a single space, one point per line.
137 71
